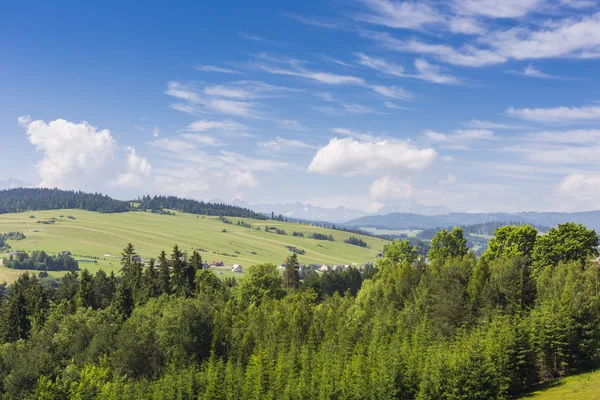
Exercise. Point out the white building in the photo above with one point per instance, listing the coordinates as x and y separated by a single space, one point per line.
237 268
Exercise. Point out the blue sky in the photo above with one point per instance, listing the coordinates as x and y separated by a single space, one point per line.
474 105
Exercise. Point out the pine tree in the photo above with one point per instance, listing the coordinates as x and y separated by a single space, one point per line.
85 294
178 263
124 302
291 278
151 282
164 274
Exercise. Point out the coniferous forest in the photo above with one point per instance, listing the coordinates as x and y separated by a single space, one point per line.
33 199
451 326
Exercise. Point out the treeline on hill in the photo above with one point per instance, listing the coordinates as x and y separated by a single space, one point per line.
457 327
40 261
196 207
32 199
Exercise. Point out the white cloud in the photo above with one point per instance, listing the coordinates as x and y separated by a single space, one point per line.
279 144
381 65
569 37
432 73
140 128
460 135
579 136
156 132
436 136
137 170
243 178
580 188
557 114
465 25
394 106
393 92
450 180
479 124
349 156
201 139
210 102
532 72
73 154
213 68
295 68
204 125
395 14
497 9
291 125
388 189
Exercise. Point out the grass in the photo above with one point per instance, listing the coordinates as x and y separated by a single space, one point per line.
104 236
577 387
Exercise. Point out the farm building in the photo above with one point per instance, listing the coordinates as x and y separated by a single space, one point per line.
237 268
137 259
217 263
65 253
324 268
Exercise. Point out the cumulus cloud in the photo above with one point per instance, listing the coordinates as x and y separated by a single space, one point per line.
72 153
556 114
137 170
388 189
580 188
349 156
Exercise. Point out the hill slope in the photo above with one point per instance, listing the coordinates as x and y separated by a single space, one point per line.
578 387
93 234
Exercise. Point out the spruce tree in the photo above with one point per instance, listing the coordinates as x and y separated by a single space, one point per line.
291 279
164 274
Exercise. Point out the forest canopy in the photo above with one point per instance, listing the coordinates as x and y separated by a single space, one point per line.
446 326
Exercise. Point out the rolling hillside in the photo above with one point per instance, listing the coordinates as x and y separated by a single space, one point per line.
90 234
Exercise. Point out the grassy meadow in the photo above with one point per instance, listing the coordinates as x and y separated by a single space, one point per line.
103 236
577 387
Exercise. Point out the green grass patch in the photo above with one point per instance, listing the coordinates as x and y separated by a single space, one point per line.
577 387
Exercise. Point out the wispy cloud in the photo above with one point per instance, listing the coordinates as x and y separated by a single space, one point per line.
256 38
314 21
556 114
533 72
280 144
213 68
479 124
296 68
406 15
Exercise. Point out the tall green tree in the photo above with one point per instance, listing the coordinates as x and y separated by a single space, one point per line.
291 279
448 244
164 273
510 241
565 243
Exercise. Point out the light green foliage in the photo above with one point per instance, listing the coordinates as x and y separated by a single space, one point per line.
448 244
567 242
510 241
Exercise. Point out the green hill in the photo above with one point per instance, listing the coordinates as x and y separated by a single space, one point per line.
580 387
101 236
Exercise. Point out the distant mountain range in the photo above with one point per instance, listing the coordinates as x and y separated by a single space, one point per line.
11 183
396 221
336 215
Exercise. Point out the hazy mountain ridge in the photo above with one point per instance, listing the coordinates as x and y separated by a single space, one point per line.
407 220
336 215
12 183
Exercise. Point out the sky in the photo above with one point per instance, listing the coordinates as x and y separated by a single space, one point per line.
476 105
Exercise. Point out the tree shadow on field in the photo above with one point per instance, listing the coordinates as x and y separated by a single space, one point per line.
542 387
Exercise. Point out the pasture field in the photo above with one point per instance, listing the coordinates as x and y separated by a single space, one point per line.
577 387
100 236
